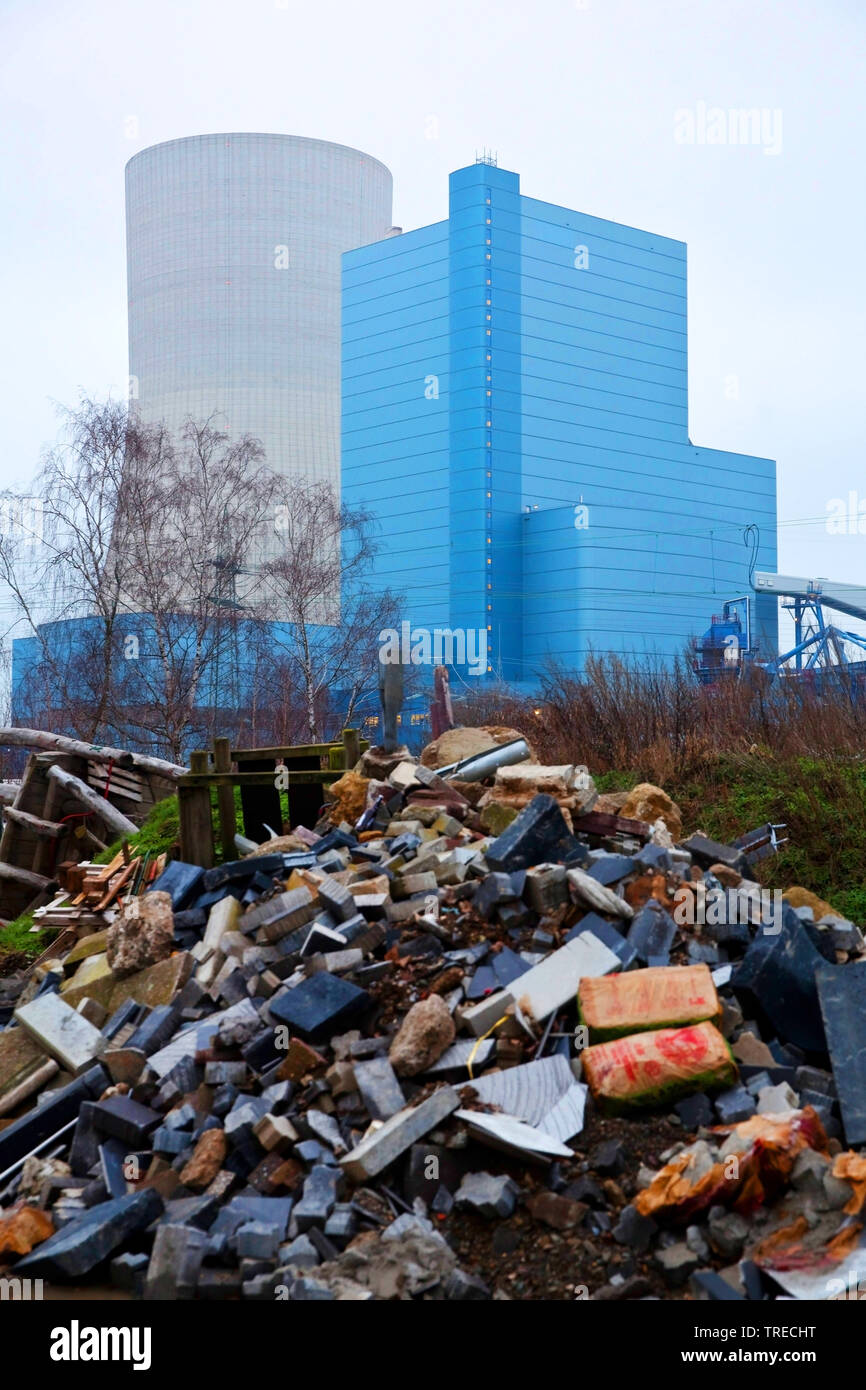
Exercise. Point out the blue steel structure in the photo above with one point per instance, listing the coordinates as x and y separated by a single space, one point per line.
515 412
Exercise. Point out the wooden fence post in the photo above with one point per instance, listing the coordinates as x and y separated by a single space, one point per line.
352 746
196 825
225 798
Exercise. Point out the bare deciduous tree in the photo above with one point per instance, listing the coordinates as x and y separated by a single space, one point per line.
317 591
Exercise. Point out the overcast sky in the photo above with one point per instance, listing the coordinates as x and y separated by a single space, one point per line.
584 98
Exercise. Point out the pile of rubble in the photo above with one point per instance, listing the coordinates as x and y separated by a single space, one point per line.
492 1036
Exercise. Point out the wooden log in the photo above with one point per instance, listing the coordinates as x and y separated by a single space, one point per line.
48 828
35 881
222 761
113 818
196 824
56 743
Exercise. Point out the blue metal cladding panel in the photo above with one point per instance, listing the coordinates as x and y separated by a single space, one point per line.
617 585
395 422
577 329
486 559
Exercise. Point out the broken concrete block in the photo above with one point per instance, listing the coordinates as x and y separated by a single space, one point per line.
546 887
778 977
336 899
379 1088
841 994
175 1262
378 1149
652 931
91 1238
775 1100
319 1197
538 834
61 1032
488 1195
555 981
320 1006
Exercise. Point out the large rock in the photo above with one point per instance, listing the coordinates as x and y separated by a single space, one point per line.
349 798
463 742
649 803
142 935
425 1033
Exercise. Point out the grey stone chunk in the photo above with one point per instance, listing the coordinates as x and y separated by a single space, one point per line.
379 1149
326 1129
735 1105
319 1197
258 1240
676 1263
553 983
728 1232
809 1171
342 1224
91 1238
775 1100
652 932
488 1195
64 1034
463 1287
174 1262
300 1253
379 1088
634 1230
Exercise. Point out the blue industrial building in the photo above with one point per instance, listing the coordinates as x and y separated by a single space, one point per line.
515 412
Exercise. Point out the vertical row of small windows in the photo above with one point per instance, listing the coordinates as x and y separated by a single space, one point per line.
488 419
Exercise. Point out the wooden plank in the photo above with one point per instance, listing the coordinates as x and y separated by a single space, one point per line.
47 854
259 779
298 750
113 818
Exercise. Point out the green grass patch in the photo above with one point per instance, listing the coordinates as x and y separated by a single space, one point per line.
17 936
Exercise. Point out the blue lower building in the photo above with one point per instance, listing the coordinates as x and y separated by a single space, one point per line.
515 413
